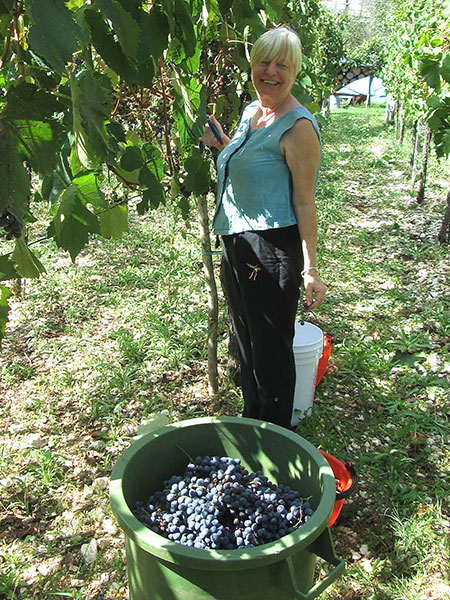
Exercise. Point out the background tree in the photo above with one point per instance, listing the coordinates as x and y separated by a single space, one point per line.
417 75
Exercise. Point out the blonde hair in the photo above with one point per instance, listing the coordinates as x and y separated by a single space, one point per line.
278 42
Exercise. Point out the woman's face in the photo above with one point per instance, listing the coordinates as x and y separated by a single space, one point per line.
273 79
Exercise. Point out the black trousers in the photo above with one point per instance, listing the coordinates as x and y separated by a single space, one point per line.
262 271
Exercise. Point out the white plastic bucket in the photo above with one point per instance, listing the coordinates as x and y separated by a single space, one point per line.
308 348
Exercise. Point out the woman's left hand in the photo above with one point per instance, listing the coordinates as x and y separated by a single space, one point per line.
315 290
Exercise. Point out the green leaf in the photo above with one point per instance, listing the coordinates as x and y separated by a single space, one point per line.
27 102
38 143
91 103
54 34
6 6
153 159
108 48
116 129
154 34
442 142
225 5
429 69
131 159
198 177
73 223
114 222
153 193
155 421
89 191
54 184
125 26
409 359
26 263
5 293
14 178
189 108
445 68
184 29
184 207
7 269
146 73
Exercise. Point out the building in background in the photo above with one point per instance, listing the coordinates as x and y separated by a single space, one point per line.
354 7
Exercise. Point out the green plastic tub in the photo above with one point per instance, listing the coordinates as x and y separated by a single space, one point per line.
159 569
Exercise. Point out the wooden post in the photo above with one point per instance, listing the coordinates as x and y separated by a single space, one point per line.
423 172
415 153
444 232
369 91
211 289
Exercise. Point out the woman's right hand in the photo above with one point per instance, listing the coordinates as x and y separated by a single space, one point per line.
209 138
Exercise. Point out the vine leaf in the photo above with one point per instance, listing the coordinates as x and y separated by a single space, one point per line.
154 33
91 104
429 69
125 25
197 178
5 293
89 191
72 223
110 50
7 270
54 34
153 193
114 222
184 28
131 159
27 265
38 142
225 5
27 102
52 185
14 179
445 68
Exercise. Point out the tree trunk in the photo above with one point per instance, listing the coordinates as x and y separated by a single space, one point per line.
423 172
413 146
444 232
415 153
211 288
389 114
233 363
396 118
402 123
369 92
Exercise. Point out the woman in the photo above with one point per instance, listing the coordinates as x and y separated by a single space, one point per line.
266 216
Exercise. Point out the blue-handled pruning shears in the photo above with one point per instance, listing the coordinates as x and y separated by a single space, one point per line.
215 132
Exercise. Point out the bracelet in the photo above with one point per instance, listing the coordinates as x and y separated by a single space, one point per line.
308 270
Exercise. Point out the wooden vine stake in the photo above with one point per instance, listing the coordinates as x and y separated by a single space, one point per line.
444 232
211 289
423 172
415 152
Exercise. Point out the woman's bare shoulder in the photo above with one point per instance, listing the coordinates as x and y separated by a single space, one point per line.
301 137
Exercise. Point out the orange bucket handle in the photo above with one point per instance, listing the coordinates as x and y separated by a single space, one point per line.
351 469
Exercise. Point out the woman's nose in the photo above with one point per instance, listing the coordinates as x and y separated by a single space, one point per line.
271 67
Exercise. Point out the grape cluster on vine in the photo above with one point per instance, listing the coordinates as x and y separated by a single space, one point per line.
11 225
217 504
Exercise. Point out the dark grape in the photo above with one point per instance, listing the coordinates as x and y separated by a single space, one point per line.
11 225
218 504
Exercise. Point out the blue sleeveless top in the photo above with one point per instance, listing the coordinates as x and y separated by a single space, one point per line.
254 185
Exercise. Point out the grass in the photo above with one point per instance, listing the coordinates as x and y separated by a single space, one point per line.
92 350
